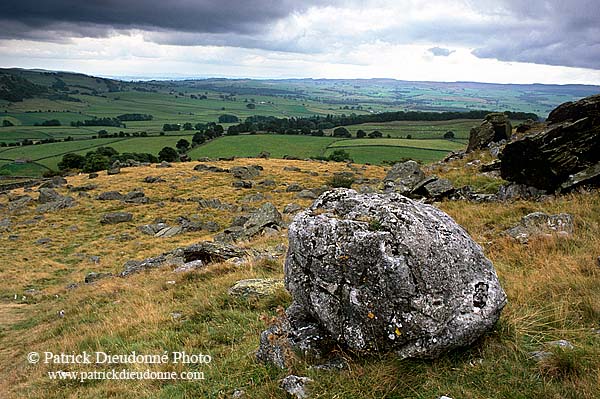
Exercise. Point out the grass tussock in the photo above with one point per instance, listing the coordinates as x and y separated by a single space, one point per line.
551 282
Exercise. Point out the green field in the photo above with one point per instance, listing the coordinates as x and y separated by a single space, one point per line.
418 129
50 154
252 145
373 151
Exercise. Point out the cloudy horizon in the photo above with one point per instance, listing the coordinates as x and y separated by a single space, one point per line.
503 41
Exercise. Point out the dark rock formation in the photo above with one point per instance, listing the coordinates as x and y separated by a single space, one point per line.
563 156
496 127
379 273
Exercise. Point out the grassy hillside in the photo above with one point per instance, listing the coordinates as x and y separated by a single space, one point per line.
551 285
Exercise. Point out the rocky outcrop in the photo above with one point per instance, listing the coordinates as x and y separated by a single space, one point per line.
379 273
563 156
495 128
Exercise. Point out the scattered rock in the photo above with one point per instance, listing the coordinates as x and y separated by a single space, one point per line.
154 179
291 169
92 175
61 203
513 192
189 266
292 208
434 188
85 187
164 164
116 217
48 195
256 287
264 155
18 202
242 184
404 177
54 182
267 183
136 196
293 188
296 386
43 241
539 223
306 194
496 127
152 229
257 197
381 273
168 232
93 276
209 168
206 251
244 172
115 169
110 196
5 224
267 216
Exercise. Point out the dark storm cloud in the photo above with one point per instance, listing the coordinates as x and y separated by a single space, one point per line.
565 33
440 51
32 19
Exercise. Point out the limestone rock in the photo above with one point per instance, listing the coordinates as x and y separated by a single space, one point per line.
245 172
110 196
48 195
404 177
378 273
539 223
296 386
256 287
116 217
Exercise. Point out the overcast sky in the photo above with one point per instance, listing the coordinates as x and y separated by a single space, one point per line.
504 41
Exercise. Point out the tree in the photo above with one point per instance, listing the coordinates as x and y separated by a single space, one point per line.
107 151
341 132
227 118
360 134
95 162
182 145
449 134
7 123
339 156
375 134
72 161
188 126
168 154
250 106
198 138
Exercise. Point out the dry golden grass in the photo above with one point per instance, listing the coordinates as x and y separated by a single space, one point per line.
552 285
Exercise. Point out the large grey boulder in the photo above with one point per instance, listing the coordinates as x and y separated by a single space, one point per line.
495 128
48 195
379 273
245 172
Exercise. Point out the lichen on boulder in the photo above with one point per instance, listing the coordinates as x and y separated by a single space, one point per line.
383 273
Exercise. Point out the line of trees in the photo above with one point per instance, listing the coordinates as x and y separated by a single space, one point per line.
315 124
112 122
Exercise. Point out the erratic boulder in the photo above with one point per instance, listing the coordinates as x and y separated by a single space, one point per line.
380 273
495 128
561 157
